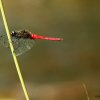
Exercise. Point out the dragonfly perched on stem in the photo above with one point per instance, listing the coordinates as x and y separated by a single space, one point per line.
24 40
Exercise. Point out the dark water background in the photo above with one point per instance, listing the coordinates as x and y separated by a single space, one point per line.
54 66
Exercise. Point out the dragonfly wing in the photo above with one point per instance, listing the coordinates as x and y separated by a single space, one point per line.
4 40
22 45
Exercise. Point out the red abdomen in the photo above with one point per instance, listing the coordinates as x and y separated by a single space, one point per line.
35 36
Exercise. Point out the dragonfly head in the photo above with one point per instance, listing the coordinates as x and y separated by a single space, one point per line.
13 33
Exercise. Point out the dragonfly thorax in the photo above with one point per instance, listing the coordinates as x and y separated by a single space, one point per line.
20 34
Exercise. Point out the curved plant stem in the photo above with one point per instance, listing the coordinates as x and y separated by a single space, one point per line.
12 50
85 89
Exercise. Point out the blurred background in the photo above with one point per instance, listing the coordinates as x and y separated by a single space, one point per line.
54 70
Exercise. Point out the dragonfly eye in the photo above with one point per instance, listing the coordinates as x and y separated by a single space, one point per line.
13 33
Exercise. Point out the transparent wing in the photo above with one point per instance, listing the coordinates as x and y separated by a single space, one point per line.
4 40
20 45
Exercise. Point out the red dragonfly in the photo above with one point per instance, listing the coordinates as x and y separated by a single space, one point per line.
24 40
26 34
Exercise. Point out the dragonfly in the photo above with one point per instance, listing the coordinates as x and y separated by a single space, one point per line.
23 40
